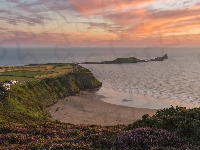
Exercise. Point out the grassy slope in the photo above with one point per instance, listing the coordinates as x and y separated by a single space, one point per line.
27 102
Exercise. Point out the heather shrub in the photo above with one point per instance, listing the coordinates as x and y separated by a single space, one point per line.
185 122
147 138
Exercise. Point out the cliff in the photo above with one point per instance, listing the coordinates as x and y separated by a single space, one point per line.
28 102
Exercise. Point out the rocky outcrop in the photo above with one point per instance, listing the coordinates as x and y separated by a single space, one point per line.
165 56
160 58
127 60
121 60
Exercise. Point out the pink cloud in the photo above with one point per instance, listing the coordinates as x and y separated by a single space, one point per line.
125 18
89 8
167 21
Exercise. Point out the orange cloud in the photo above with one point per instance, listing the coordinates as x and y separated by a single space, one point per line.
125 18
89 8
167 22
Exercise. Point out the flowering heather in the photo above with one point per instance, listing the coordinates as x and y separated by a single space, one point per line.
146 138
185 122
54 135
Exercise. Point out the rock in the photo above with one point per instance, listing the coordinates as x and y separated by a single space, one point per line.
165 56
122 60
160 58
157 59
126 100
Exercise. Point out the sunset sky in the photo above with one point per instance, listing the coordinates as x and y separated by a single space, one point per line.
88 23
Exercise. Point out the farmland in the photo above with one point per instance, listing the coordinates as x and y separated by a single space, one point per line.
34 72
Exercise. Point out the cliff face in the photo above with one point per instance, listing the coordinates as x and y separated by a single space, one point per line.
28 102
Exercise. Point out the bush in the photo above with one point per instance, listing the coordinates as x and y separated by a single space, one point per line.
146 138
185 122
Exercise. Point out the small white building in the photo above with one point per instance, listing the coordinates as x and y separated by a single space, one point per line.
7 86
13 81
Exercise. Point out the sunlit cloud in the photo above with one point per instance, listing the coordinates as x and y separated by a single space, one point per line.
125 22
167 21
89 8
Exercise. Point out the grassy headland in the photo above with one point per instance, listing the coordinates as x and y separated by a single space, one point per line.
27 102
25 121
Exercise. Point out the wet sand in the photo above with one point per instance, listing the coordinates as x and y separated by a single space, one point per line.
138 101
87 108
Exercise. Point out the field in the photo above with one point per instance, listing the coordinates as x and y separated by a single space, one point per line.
33 72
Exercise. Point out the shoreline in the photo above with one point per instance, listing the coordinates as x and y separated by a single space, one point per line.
138 101
100 107
87 108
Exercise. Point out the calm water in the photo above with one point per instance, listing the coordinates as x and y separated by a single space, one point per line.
176 79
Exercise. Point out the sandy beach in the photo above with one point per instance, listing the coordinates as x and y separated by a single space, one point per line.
107 107
87 108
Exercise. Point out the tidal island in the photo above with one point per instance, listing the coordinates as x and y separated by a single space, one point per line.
128 60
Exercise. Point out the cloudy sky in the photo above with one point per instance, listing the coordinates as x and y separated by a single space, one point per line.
83 23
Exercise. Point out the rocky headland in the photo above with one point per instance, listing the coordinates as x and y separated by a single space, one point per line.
27 102
128 60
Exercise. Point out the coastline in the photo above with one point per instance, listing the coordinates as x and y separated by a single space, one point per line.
87 122
87 108
106 107
138 101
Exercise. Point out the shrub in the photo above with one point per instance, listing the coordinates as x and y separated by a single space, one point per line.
185 122
146 138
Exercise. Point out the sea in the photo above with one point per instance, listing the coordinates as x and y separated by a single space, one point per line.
175 80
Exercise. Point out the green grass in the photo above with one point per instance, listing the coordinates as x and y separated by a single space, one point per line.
24 73
8 78
21 75
34 71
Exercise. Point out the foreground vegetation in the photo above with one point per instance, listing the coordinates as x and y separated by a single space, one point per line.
150 133
25 122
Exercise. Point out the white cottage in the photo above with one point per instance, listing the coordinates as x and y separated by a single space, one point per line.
7 86
13 81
